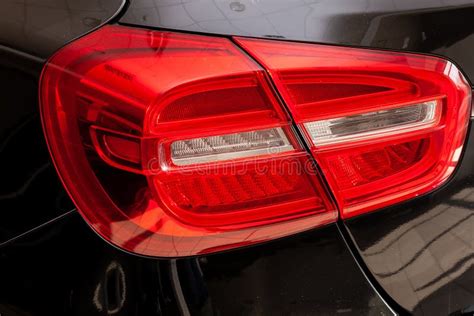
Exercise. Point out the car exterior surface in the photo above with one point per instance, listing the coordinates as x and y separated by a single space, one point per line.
412 257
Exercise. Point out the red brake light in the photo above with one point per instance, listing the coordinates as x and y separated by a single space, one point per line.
174 144
383 126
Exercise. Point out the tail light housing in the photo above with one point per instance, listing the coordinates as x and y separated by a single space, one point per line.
173 144
383 126
177 144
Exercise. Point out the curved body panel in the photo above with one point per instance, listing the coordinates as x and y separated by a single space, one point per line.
434 27
31 193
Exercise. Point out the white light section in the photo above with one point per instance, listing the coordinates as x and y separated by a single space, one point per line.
229 146
374 124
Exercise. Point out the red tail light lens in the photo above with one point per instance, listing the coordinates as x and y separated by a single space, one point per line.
384 127
174 145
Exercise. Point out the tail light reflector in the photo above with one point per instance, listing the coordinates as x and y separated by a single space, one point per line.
174 144
374 124
383 126
229 146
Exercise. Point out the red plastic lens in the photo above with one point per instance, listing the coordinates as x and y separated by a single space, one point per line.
174 144
384 127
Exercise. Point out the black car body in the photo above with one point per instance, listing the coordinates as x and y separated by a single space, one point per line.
411 257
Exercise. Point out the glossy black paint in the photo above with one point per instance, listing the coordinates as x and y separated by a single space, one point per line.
39 28
25 166
437 27
63 268
30 191
422 252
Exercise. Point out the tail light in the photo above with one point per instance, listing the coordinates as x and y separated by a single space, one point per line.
383 126
176 144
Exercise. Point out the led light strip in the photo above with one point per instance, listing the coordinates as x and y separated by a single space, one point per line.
373 124
229 146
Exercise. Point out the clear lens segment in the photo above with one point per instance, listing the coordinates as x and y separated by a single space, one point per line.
230 146
369 124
